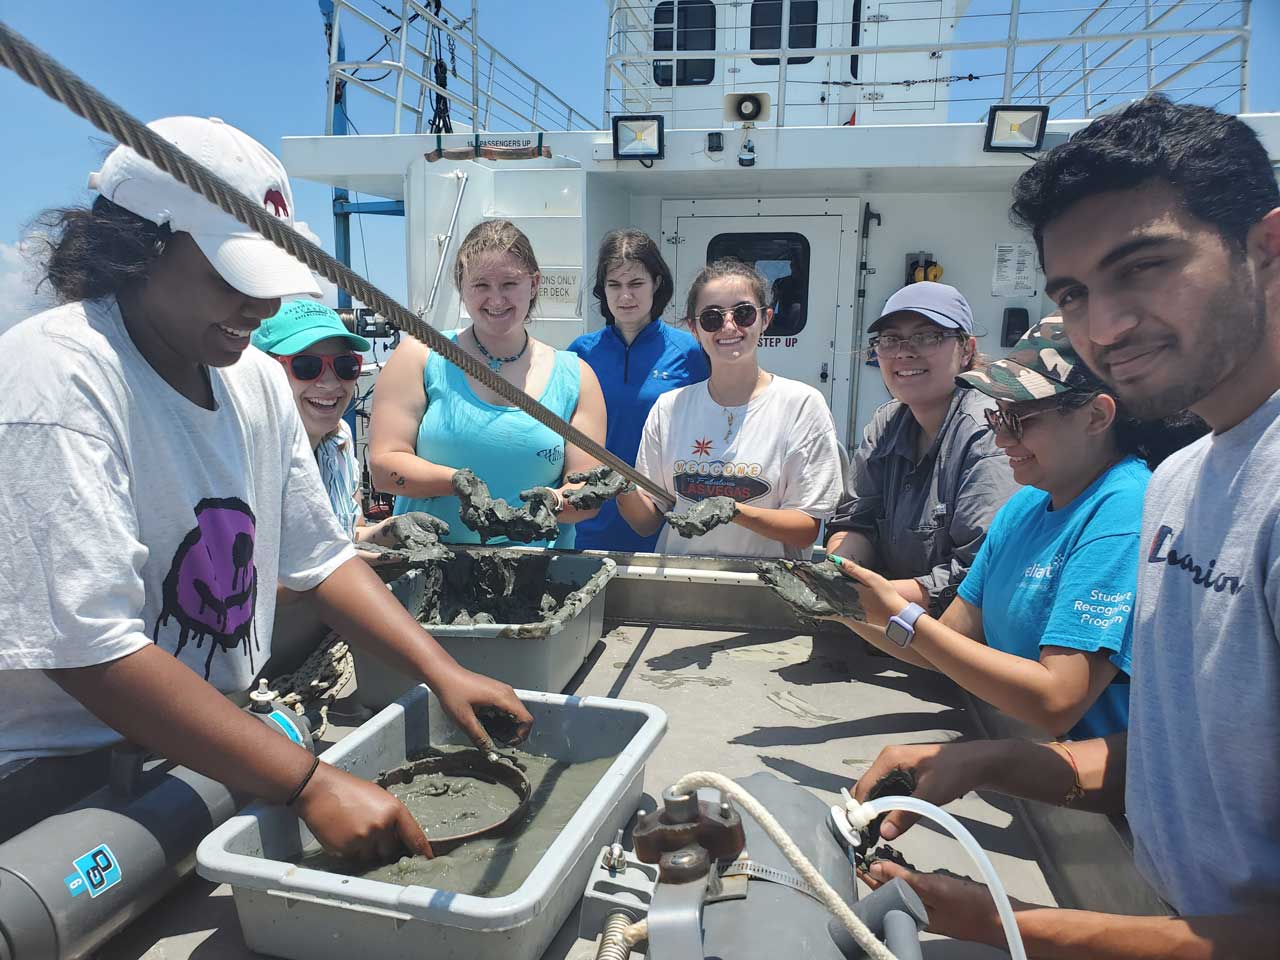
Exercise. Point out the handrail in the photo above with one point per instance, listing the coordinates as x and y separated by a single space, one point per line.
446 242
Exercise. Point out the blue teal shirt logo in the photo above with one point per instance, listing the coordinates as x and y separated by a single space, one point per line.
96 871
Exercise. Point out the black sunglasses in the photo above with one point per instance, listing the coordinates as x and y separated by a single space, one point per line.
712 318
308 366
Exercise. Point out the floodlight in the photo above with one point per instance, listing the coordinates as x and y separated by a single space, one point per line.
1015 128
638 137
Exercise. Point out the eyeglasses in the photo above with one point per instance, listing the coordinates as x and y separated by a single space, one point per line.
713 318
308 366
891 345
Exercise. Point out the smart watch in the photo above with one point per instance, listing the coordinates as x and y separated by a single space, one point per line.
901 629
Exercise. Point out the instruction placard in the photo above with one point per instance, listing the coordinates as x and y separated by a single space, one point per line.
560 286
1014 274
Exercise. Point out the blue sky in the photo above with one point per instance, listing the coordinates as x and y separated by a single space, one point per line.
260 64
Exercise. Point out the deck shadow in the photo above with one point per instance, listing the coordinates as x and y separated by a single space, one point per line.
949 719
700 655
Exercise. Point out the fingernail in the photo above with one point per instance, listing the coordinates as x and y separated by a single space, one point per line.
876 871
888 831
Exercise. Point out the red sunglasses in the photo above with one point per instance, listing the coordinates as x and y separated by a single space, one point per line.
309 366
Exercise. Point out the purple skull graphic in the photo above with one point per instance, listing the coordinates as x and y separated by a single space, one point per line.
212 586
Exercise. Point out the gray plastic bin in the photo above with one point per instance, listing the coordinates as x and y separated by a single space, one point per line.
302 914
530 656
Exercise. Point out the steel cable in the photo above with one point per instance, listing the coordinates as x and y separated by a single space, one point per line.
43 72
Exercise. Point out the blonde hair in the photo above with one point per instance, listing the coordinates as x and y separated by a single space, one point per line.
719 270
495 237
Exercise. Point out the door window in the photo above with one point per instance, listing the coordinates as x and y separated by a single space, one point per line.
695 29
766 28
783 258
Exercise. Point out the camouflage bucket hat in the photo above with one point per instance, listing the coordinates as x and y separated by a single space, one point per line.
1039 366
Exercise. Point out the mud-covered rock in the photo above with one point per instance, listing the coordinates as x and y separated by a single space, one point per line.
490 517
598 485
703 517
815 591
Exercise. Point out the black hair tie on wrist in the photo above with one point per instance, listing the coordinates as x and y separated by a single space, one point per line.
297 791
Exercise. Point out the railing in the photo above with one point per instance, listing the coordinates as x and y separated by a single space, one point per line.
1080 58
427 69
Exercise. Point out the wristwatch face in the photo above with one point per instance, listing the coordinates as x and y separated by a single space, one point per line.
898 632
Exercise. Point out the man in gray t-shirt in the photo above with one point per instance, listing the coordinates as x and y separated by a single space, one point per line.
1159 231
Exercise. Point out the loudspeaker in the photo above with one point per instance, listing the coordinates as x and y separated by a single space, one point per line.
746 107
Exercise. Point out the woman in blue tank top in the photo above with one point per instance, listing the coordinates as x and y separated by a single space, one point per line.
430 419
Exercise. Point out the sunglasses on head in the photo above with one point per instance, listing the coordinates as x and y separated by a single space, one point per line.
309 366
713 318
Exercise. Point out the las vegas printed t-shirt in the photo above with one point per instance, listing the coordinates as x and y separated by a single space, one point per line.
778 452
135 516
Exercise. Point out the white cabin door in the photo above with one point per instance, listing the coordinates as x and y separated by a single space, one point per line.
801 257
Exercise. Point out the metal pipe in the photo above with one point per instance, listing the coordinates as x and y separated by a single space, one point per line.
1146 25
1247 23
783 62
1084 78
860 49
404 36
1011 50
475 66
444 246
1178 74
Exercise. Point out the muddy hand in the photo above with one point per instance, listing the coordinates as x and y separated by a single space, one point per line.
541 498
704 516
464 694
599 485
359 820
880 600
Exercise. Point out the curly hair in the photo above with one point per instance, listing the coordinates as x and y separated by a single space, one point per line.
719 270
95 251
1214 161
620 247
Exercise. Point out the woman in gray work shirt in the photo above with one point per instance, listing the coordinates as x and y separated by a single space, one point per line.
927 477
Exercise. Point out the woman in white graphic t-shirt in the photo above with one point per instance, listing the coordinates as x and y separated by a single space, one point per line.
755 450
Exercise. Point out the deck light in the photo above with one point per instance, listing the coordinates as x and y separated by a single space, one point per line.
638 137
1015 128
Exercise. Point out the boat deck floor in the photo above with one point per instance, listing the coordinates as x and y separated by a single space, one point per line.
814 710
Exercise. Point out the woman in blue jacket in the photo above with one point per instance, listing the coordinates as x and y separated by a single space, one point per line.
637 358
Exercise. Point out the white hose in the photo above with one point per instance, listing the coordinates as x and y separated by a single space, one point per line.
864 938
860 815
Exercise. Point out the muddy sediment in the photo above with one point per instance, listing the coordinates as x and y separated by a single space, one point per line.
491 518
599 484
704 516
406 541
490 866
815 591
491 587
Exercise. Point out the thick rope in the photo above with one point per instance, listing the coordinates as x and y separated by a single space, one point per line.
43 72
320 678
862 936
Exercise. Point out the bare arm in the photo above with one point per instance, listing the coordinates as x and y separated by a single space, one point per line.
354 602
794 528
589 417
159 703
854 545
399 402
1067 934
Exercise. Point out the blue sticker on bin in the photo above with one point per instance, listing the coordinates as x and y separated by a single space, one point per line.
96 871
285 726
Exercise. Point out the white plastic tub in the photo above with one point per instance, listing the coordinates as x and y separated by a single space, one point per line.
303 914
543 655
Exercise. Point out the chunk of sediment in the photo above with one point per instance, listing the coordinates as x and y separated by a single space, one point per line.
704 516
492 517
599 484
814 590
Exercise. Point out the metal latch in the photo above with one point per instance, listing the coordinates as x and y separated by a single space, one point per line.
823 375
675 238
876 18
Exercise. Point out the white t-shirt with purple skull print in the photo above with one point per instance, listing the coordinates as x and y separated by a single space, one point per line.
132 516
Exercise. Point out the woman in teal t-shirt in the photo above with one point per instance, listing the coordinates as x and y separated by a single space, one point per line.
430 419
1042 624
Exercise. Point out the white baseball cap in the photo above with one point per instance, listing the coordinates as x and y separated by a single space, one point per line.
249 262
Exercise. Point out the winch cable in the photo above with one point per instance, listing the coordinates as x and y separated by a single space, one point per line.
43 72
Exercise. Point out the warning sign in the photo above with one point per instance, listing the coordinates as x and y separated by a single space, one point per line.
560 287
1014 273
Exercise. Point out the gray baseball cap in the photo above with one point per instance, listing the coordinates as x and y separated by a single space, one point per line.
938 302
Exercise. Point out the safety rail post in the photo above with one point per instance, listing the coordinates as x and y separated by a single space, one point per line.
785 39
475 66
1011 51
